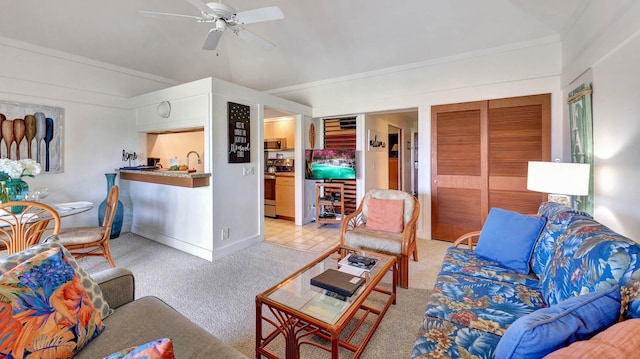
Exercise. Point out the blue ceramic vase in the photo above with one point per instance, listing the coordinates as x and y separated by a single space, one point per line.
17 190
116 226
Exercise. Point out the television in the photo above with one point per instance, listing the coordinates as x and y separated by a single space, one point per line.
330 164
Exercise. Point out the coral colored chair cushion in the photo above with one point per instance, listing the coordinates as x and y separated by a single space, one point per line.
385 215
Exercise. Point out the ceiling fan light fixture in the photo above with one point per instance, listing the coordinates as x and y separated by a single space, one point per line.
221 25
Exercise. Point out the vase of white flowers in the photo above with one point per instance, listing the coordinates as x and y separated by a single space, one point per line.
11 172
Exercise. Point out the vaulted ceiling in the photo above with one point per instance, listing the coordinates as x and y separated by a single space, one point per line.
317 40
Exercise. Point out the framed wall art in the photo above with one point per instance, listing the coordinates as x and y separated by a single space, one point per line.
239 133
375 141
581 129
32 131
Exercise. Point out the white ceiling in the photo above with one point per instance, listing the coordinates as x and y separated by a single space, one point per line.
317 40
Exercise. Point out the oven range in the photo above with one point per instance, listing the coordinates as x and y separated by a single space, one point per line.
274 166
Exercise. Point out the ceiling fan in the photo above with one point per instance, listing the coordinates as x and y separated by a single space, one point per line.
225 17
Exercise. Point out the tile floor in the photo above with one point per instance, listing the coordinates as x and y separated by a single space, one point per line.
307 237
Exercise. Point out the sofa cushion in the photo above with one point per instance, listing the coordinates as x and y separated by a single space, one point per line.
466 261
385 215
149 318
508 238
439 338
480 303
558 218
588 257
621 340
92 288
45 311
157 349
548 329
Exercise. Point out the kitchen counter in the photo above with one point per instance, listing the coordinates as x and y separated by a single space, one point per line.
170 178
285 174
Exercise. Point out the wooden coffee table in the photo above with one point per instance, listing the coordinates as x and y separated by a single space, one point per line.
297 310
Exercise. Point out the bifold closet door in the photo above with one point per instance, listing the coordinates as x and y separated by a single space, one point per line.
458 168
519 132
480 153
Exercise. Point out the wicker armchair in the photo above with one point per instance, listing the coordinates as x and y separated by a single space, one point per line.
354 232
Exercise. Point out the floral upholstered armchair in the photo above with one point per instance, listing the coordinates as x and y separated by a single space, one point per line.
385 222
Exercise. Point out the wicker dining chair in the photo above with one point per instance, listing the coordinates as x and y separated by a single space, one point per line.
19 231
93 241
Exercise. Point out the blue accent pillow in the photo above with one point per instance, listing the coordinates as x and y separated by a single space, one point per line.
546 330
509 237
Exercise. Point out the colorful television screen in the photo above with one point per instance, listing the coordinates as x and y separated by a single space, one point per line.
330 164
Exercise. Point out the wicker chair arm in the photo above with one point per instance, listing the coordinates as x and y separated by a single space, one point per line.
468 238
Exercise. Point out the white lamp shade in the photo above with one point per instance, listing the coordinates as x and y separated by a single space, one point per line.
559 178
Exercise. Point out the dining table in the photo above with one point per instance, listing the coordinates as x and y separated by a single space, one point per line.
70 208
63 209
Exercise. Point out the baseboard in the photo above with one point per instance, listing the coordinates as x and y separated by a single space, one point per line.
173 243
220 252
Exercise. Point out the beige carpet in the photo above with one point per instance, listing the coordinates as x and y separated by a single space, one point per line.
220 296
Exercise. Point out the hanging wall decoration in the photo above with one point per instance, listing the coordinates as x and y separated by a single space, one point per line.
239 134
375 141
581 128
32 131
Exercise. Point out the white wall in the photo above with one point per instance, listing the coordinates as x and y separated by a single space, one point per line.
518 70
97 120
238 198
609 58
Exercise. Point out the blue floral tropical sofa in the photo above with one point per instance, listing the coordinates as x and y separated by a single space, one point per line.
531 285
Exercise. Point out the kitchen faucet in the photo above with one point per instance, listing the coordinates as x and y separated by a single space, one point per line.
190 152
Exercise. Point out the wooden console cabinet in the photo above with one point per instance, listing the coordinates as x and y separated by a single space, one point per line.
329 203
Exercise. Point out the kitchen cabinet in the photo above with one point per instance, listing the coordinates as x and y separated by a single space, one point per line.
281 129
268 131
285 197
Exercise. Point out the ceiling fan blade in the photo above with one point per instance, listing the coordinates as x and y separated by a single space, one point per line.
201 6
268 13
253 38
211 42
162 15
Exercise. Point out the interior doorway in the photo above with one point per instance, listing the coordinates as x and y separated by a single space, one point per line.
394 141
415 163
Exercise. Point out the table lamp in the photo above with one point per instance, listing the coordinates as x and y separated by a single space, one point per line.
559 180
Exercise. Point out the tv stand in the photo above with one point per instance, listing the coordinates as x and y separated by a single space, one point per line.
329 203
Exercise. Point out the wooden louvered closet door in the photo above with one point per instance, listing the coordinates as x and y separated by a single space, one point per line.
480 152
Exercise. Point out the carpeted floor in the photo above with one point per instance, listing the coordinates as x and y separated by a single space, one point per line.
220 296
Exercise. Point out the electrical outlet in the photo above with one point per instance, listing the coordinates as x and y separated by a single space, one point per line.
225 233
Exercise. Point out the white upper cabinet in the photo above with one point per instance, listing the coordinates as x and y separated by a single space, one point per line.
180 107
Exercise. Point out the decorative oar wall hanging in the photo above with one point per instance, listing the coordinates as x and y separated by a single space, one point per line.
32 131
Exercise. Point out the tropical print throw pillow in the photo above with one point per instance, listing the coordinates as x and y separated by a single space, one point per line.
44 310
157 349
